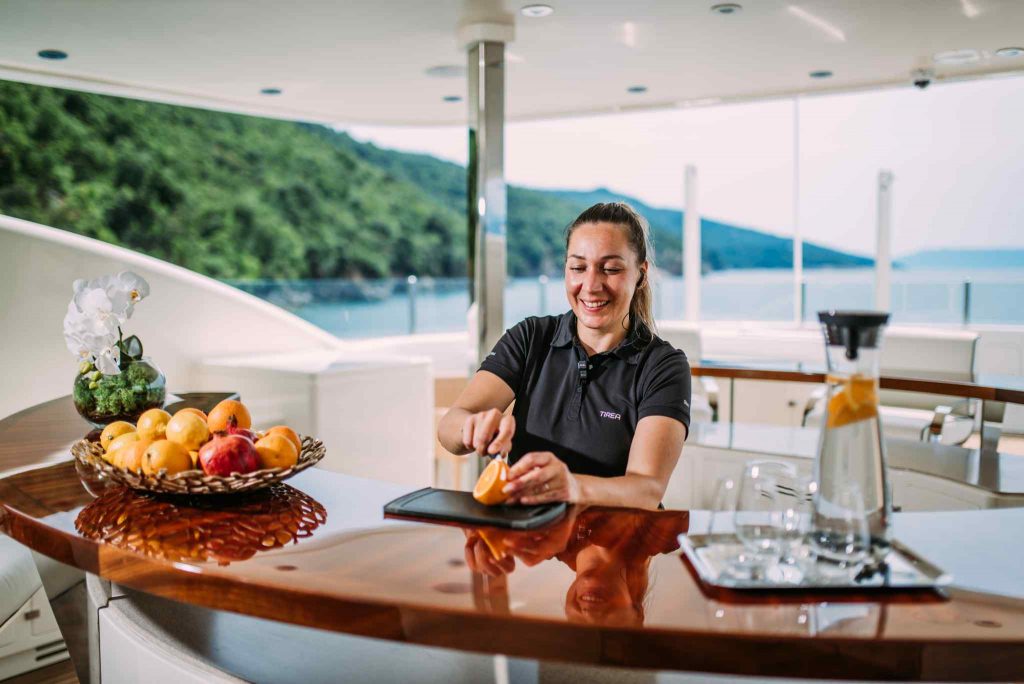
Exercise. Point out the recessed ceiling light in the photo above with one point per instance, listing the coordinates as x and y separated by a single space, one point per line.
726 8
452 98
270 91
536 11
1010 52
965 56
446 71
820 74
52 54
636 89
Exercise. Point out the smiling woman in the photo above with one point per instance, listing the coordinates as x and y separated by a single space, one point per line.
602 405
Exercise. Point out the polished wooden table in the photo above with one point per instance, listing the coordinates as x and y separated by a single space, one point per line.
601 587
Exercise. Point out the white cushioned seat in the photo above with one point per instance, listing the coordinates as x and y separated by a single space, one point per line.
686 336
18 577
908 423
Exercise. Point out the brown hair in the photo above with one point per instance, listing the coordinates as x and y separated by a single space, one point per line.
638 233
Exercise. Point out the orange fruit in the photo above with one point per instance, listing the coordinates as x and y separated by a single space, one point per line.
166 455
857 400
153 423
130 458
488 488
276 451
286 431
188 430
226 413
118 443
113 431
191 410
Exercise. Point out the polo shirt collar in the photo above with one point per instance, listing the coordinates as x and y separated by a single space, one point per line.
628 350
565 333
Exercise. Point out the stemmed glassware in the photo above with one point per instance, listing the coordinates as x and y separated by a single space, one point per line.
787 532
841 540
760 515
796 498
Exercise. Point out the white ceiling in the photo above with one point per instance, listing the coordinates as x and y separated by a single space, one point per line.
363 61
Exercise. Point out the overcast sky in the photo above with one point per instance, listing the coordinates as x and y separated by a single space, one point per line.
957 152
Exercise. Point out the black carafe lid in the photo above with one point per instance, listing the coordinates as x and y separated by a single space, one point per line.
853 329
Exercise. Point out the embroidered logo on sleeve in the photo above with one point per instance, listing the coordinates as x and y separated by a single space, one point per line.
611 416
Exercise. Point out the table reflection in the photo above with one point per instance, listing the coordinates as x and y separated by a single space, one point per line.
610 550
218 529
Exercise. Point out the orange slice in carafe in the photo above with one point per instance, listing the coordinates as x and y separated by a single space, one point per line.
855 401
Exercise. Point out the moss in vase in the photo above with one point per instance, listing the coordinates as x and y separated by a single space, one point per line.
122 394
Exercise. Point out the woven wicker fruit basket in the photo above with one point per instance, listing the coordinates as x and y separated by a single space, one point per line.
90 456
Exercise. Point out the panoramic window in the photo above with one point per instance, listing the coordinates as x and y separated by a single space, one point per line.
361 230
953 152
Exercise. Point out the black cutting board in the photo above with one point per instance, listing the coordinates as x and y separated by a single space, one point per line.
461 507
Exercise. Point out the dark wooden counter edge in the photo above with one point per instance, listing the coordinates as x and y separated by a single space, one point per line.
960 389
714 652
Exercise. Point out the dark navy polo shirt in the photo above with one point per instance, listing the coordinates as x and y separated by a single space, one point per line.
585 410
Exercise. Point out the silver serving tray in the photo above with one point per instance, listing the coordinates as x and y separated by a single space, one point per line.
710 556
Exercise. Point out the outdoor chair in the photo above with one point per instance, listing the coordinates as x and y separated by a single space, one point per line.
704 395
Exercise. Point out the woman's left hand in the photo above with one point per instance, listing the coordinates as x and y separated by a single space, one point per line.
540 477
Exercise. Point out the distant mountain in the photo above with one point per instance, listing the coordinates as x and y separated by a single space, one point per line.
537 220
239 197
723 246
963 258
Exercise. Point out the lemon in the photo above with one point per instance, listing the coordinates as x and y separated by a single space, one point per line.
118 443
188 430
153 424
113 431
166 455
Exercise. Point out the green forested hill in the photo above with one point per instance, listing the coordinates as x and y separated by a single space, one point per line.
236 197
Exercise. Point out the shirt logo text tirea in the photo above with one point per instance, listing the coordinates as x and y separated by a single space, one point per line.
610 415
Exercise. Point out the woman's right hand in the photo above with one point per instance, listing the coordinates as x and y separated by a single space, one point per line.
488 433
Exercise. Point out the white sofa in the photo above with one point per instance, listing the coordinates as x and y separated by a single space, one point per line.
29 635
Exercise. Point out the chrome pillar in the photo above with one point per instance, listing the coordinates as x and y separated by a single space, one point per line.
883 244
486 211
799 285
691 245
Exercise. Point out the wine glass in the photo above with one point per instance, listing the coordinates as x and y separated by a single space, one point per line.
841 539
796 498
723 507
758 518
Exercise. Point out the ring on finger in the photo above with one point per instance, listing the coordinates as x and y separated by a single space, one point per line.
547 486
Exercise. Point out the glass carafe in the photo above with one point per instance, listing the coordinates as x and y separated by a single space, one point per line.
851 453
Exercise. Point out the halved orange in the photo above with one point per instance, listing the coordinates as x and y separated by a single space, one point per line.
488 488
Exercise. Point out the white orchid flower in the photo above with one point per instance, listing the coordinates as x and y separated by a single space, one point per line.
124 290
134 284
98 311
74 333
108 360
82 332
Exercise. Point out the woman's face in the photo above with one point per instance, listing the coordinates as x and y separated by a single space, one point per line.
601 275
